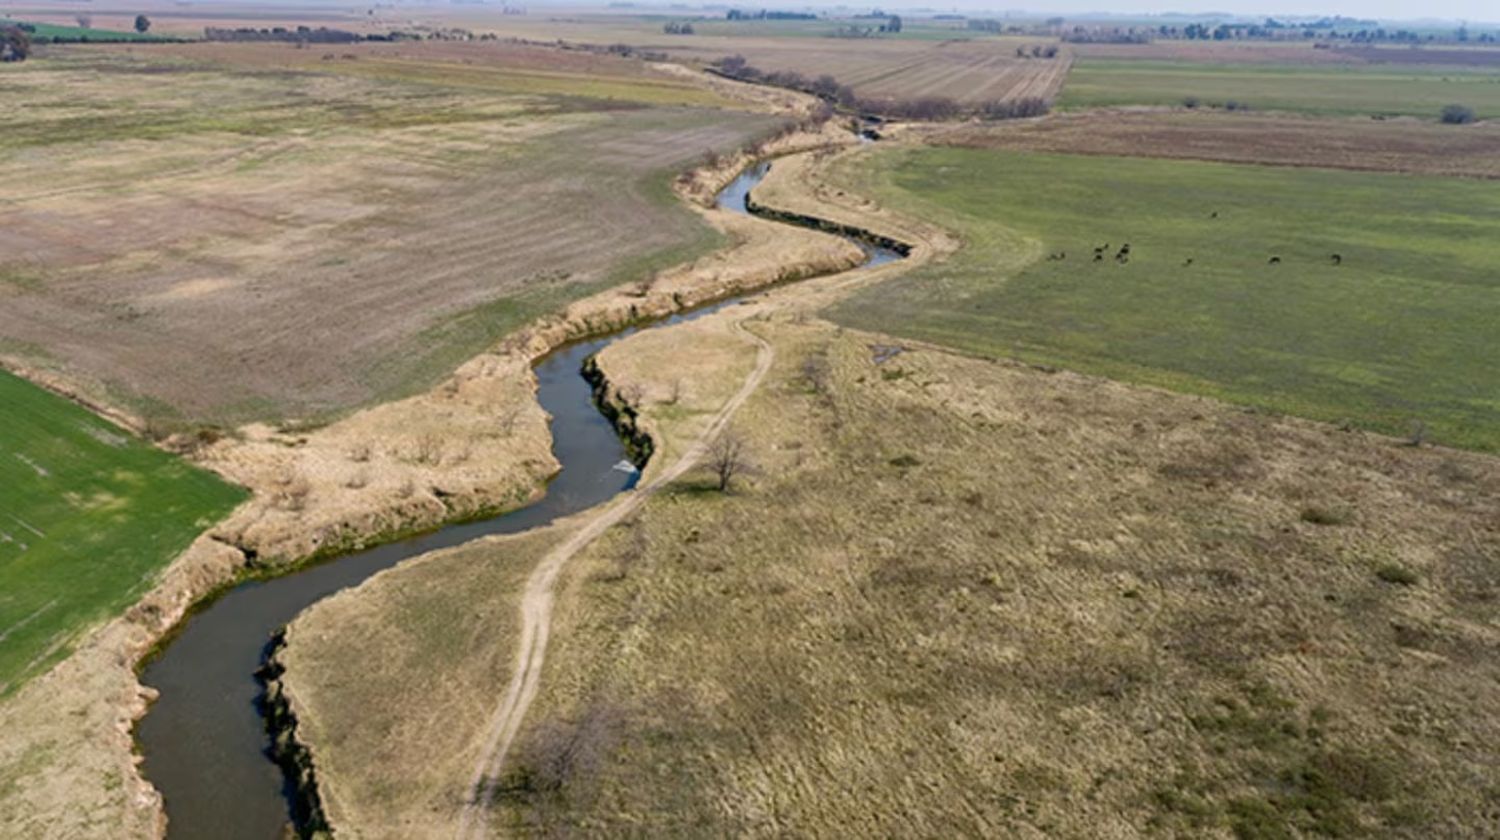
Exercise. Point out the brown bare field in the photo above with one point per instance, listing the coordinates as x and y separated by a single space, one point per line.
1394 145
963 597
248 243
964 68
969 71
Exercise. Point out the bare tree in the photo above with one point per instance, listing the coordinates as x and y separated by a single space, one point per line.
727 459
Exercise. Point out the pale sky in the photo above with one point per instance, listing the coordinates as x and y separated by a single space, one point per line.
1472 10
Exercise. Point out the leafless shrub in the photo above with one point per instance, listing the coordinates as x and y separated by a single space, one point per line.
359 453
508 420
357 480
727 458
674 392
405 490
292 495
818 373
562 753
427 449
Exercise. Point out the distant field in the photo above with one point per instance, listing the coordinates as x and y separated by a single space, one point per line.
47 31
88 516
928 58
970 71
1396 145
1397 335
253 232
1347 90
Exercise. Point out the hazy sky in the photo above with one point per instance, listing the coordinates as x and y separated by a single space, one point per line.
1385 9
1471 10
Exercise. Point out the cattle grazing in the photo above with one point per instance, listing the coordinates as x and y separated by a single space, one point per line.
1274 261
1187 262
1336 259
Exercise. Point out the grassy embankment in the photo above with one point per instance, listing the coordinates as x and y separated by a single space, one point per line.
1321 89
1394 336
964 598
88 516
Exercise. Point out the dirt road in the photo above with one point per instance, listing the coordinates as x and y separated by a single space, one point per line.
536 601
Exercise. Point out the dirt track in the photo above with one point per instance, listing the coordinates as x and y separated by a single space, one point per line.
537 599
536 603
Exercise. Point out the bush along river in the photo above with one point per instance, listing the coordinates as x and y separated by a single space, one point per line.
205 743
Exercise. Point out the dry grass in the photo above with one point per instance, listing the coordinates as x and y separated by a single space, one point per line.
1387 145
254 244
454 612
970 598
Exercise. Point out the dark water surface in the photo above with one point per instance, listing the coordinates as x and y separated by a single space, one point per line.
204 741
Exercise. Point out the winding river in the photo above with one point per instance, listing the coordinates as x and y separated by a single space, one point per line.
204 741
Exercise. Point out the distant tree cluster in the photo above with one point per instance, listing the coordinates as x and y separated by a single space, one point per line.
1457 114
737 14
1037 51
15 43
675 28
321 35
829 89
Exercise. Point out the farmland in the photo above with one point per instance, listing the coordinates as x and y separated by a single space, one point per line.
795 658
88 516
1318 89
1410 146
927 58
1394 338
970 71
309 236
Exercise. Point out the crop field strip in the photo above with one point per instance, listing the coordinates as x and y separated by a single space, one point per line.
297 255
1412 146
88 516
1346 89
1349 297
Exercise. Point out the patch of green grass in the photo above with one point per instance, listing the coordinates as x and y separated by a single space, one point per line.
1343 90
1400 331
88 516
45 32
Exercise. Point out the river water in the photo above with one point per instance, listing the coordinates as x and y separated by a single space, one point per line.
204 741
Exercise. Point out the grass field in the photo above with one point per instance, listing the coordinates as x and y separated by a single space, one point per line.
1397 335
252 232
1323 89
46 31
956 598
88 516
